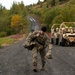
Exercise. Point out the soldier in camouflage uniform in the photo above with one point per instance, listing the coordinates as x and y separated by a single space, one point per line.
40 41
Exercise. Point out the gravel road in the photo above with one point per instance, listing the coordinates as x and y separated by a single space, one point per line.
15 60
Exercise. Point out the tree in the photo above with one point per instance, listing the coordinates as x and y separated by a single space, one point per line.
1 7
52 2
45 0
16 22
38 0
72 1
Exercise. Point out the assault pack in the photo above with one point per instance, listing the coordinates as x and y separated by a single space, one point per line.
29 43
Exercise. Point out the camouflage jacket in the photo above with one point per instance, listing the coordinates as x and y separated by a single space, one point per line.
42 41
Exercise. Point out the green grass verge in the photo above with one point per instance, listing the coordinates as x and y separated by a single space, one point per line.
6 40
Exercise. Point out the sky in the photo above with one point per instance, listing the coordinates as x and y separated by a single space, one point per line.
8 3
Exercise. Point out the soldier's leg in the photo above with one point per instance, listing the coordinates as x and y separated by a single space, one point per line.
35 52
42 54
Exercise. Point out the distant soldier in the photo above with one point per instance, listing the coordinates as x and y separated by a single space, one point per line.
40 40
57 36
66 29
71 30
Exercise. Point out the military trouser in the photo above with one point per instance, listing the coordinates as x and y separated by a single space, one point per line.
42 54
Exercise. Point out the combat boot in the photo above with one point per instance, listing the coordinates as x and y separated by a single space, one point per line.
43 68
50 57
35 69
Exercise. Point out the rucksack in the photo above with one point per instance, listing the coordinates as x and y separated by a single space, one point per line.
29 43
28 46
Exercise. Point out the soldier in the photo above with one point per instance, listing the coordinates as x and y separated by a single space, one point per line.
71 30
41 41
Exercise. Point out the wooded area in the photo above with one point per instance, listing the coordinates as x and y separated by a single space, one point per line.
14 20
49 12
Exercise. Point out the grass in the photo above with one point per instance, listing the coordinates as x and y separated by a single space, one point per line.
6 41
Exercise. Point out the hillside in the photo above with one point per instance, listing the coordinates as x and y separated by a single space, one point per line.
57 12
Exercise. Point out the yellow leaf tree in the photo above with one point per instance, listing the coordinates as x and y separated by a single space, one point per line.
16 22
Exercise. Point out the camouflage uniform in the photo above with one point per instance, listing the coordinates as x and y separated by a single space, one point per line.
40 43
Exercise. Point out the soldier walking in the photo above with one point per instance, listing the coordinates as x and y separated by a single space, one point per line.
40 40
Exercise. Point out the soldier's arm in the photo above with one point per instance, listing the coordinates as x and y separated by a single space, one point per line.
49 51
49 48
48 55
32 36
35 34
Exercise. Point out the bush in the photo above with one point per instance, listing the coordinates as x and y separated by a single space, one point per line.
10 31
58 19
37 12
3 34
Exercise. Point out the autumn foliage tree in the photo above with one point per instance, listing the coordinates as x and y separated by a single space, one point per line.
16 22
12 20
